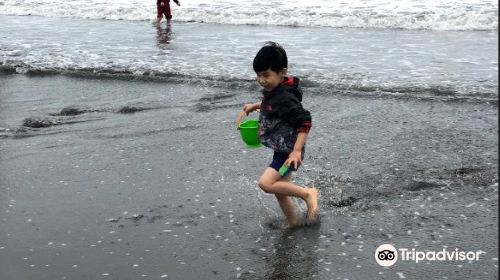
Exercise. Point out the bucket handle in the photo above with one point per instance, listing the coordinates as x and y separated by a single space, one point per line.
241 115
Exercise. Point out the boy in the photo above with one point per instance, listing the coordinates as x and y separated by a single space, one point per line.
163 8
284 126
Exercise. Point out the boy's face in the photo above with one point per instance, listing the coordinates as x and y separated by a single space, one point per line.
269 79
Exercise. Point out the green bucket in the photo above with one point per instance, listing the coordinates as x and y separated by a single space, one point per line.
249 131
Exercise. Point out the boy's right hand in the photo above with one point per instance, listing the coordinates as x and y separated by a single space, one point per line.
247 109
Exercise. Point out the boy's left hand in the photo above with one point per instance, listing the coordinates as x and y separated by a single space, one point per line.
294 159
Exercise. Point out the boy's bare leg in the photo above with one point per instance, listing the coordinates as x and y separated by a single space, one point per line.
288 207
158 19
270 182
309 195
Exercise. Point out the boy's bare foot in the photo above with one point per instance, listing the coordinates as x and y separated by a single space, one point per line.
294 223
312 205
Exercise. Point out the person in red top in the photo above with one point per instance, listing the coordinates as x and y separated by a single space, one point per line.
163 8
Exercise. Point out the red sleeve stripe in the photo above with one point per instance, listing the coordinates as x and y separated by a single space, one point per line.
305 127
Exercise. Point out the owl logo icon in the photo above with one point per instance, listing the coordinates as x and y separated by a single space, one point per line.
386 255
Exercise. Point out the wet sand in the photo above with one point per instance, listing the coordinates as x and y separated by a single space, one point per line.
141 180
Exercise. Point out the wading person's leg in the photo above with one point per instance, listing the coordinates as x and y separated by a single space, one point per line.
270 182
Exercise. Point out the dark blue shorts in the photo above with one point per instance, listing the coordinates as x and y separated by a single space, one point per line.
278 160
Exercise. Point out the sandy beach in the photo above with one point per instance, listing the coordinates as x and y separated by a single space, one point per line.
113 179
120 159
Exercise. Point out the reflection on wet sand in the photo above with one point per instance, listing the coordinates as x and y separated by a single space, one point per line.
163 36
294 255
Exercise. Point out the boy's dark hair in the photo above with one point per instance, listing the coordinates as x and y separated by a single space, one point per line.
270 56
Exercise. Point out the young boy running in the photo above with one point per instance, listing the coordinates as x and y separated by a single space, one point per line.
284 126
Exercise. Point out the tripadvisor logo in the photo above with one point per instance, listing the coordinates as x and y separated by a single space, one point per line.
387 255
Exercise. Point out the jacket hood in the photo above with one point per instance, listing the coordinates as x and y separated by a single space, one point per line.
291 82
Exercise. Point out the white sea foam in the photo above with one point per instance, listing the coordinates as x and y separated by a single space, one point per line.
403 14
410 62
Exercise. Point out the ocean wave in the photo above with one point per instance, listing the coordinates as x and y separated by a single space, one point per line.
408 14
344 86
